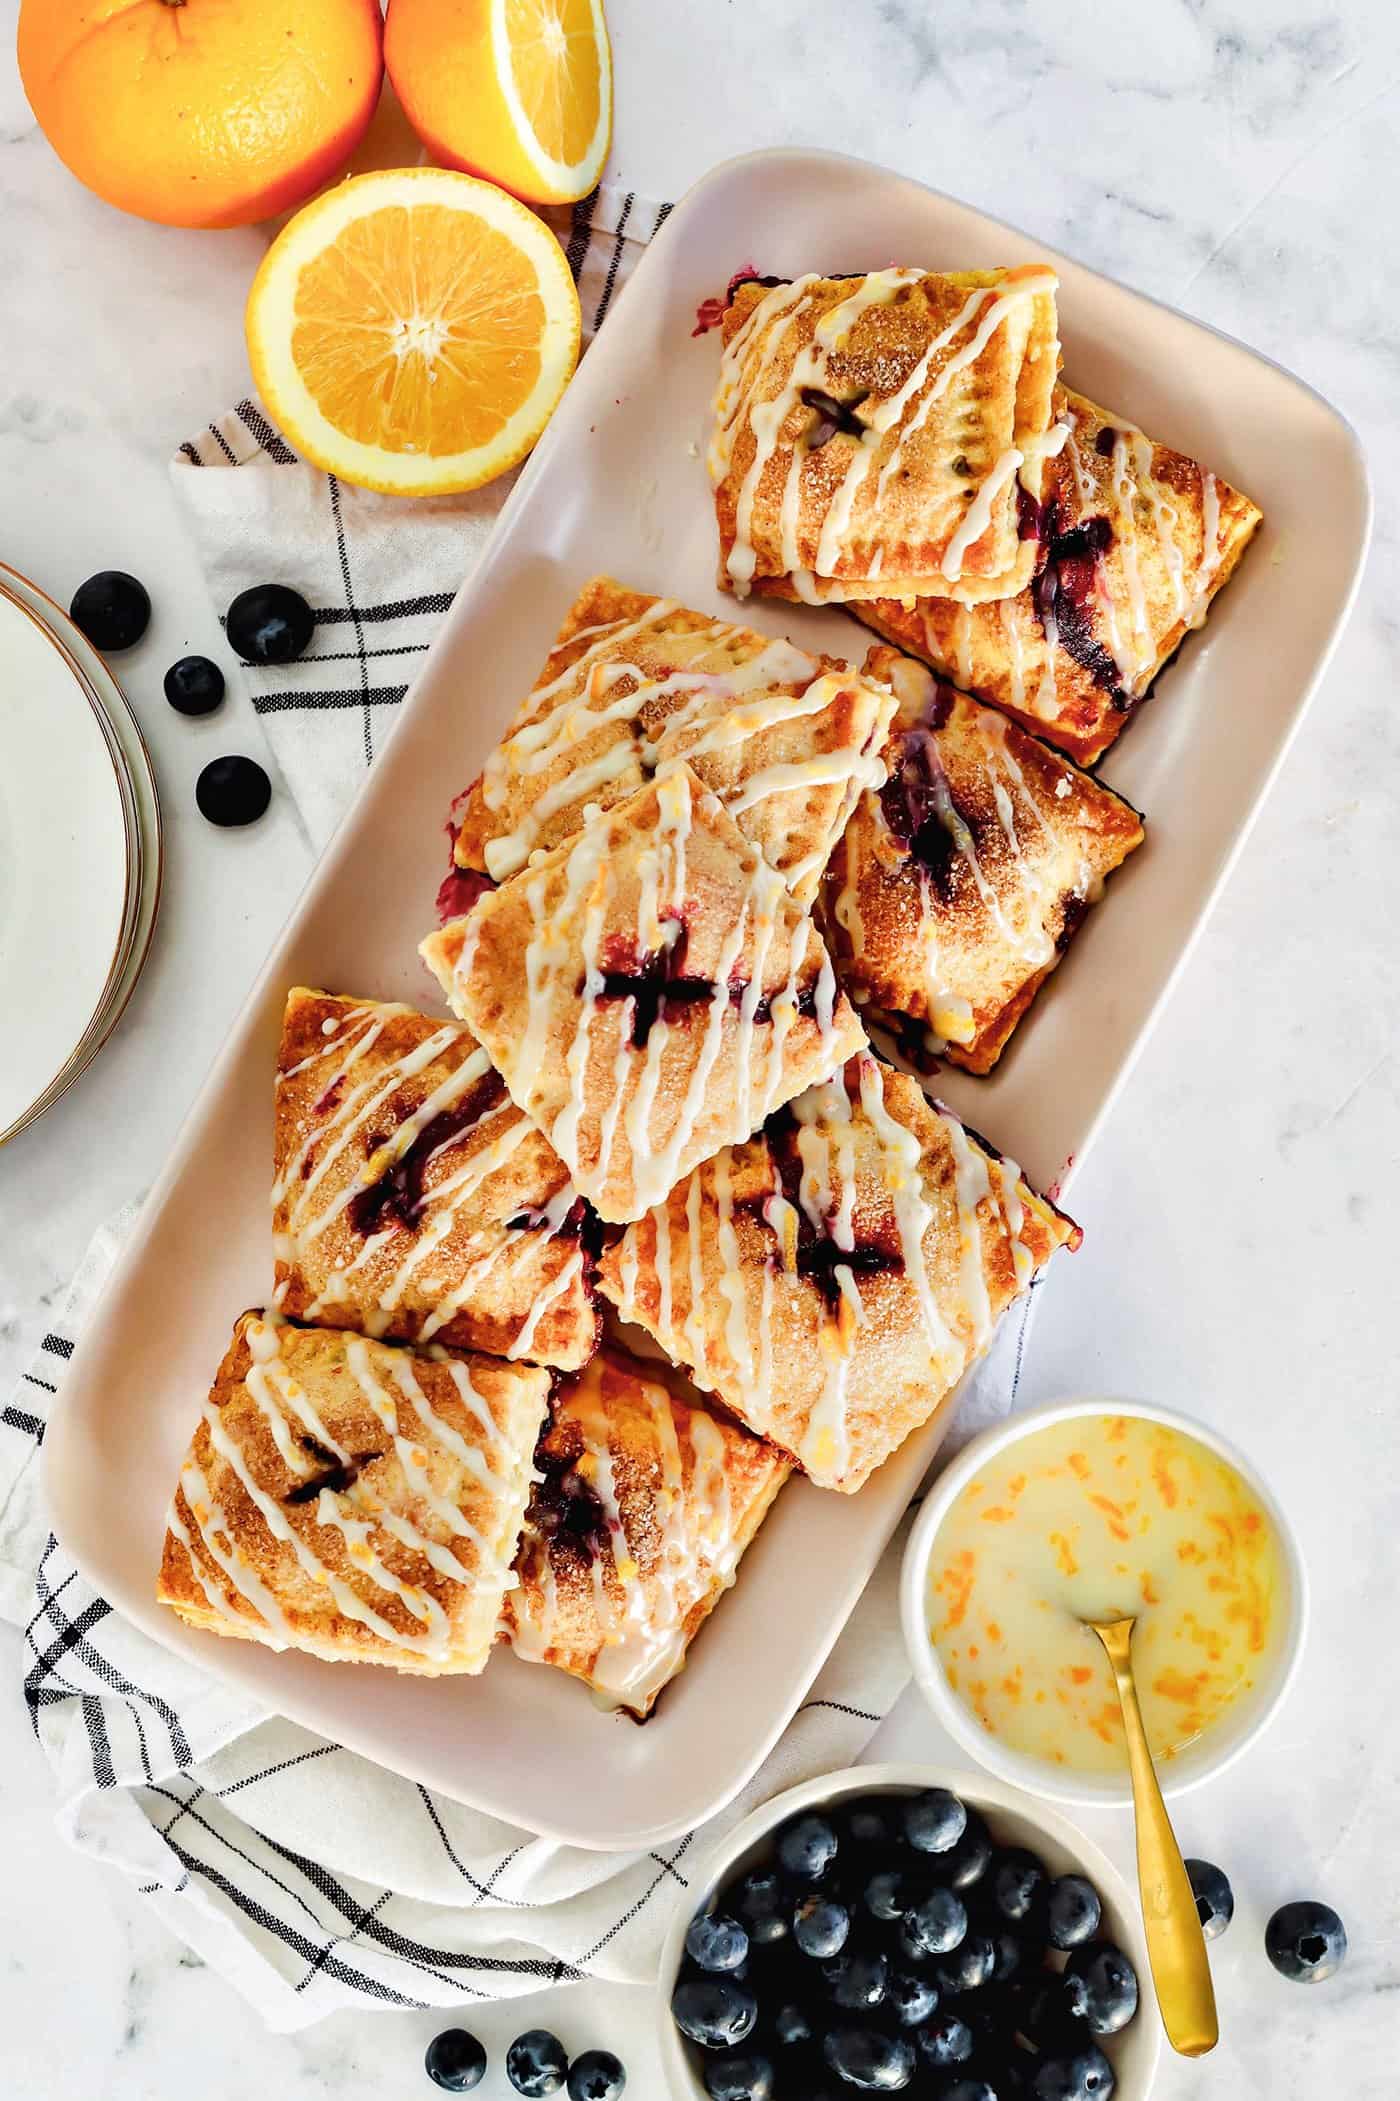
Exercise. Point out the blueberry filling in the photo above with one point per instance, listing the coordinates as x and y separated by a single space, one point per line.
660 987
336 1474
920 808
818 1254
832 416
1105 442
563 1506
1063 593
398 1196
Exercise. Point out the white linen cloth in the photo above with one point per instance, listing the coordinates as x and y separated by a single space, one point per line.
310 1877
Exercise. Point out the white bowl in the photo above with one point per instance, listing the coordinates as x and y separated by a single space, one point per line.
1013 1820
1219 1747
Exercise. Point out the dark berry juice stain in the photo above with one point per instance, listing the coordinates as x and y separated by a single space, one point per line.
331 1098
1105 442
832 416
1030 516
660 987
398 1197
1064 591
920 808
564 1508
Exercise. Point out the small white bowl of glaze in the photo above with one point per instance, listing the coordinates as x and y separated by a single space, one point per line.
1220 1745
1013 1819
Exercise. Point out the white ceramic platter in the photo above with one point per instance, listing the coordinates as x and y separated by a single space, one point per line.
618 484
67 860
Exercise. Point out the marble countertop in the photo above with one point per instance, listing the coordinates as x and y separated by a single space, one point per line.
1239 161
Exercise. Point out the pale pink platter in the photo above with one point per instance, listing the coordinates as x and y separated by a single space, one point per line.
618 484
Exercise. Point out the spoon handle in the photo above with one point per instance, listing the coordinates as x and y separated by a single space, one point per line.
1175 1943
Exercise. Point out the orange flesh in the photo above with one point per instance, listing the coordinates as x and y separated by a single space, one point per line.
419 330
555 70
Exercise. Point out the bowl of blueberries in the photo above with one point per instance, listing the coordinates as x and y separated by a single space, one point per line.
898 1929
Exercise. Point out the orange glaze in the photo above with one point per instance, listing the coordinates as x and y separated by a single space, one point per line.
1098 1516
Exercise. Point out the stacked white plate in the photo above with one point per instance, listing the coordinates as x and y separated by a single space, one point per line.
80 852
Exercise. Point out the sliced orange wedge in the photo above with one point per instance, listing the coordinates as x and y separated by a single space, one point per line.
412 330
516 90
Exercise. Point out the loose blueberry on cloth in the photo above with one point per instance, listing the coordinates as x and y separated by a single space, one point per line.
311 1878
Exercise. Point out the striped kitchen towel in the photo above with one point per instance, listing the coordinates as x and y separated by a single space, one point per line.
378 573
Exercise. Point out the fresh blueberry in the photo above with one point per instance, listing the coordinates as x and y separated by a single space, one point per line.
269 624
1018 1884
791 2025
1215 1900
968 1967
820 1926
888 1894
1100 1985
596 2076
935 1926
1086 2075
455 2061
715 1941
973 2089
747 2075
864 2058
946 2040
967 1862
1073 1911
1008 2069
715 2012
910 1999
762 1904
806 1848
112 609
934 1821
857 1982
1046 2015
194 686
232 791
1305 1941
866 1824
537 2064
1008 1957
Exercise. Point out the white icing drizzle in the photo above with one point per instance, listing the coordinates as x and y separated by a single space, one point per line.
978 515
1211 551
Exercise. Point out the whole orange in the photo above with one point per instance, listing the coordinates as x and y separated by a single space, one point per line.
202 112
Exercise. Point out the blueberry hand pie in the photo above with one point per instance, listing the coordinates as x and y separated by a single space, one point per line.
357 1501
412 1198
883 436
642 1506
649 991
786 740
831 1279
958 885
1132 542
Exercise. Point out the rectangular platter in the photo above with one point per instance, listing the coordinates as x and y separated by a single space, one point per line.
618 484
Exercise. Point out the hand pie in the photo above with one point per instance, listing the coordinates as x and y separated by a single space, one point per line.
786 740
1134 540
879 436
958 885
832 1279
649 991
359 1502
635 1531
412 1199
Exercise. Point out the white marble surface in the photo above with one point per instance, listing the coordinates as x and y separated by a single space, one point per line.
1230 156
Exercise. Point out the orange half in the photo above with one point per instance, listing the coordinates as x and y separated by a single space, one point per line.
412 331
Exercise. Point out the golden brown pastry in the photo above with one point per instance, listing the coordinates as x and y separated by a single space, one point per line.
959 884
1132 543
354 1500
876 436
649 991
635 1530
786 740
412 1199
832 1279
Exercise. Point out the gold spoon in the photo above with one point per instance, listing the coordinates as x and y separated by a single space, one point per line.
1175 1944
